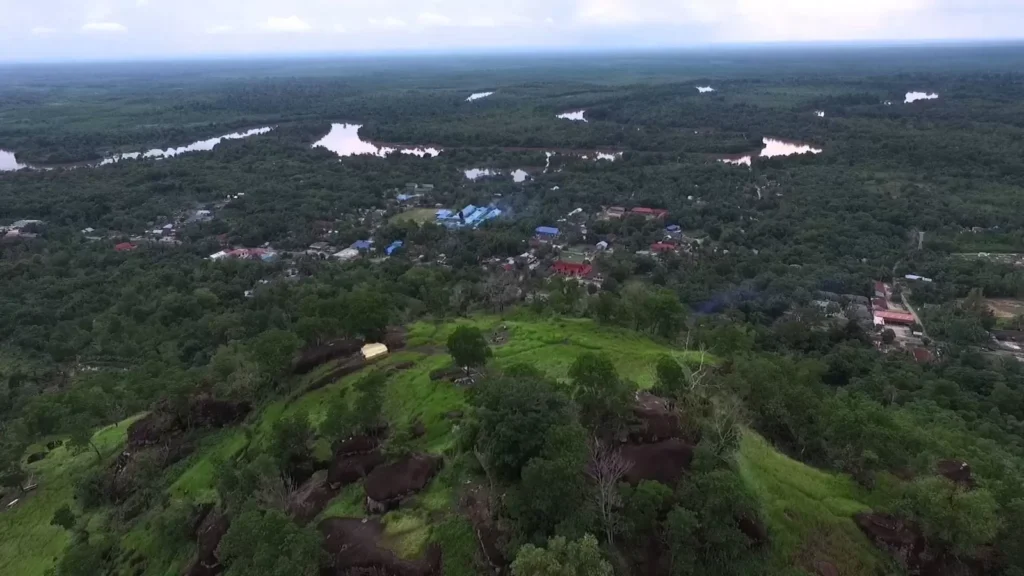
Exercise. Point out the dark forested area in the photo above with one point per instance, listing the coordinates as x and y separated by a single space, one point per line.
104 317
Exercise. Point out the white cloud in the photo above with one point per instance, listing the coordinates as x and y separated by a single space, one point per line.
432 19
388 23
141 2
43 31
103 27
221 29
289 24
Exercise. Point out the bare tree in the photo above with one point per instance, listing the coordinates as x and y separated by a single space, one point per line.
275 491
606 468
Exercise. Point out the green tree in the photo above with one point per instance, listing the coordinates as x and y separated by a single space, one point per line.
962 519
553 492
603 398
369 402
81 433
672 377
516 415
63 517
367 314
340 421
273 351
562 558
85 558
468 346
268 543
292 440
642 508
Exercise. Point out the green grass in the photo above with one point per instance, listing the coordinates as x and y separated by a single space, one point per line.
29 545
808 511
417 215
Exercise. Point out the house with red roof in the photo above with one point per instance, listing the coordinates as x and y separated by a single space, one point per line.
572 269
649 213
662 247
893 317
125 247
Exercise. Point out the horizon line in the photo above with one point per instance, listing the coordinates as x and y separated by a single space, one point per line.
533 50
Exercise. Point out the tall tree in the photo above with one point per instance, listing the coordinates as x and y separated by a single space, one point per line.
468 346
268 543
602 396
562 558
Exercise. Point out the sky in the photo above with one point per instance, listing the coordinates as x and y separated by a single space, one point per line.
33 30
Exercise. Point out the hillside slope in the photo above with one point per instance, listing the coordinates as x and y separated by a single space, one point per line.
808 511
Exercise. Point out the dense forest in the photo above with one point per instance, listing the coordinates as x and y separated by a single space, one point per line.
704 401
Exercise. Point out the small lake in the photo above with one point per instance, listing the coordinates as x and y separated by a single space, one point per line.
705 89
772 148
518 175
915 96
200 146
344 140
576 116
8 161
478 95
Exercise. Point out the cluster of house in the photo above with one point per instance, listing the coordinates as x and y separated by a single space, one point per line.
20 229
357 249
414 191
883 313
268 255
471 216
618 212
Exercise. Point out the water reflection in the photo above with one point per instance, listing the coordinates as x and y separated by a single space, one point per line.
8 162
915 96
477 173
576 116
772 148
200 146
344 140
478 95
705 89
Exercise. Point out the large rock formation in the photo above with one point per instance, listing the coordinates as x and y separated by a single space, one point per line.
388 484
665 462
353 547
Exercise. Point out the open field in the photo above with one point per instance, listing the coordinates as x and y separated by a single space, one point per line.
1005 308
417 215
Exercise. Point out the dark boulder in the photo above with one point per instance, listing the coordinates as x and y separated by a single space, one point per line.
53 444
360 444
957 471
210 533
753 529
656 420
153 428
311 498
311 357
665 462
35 457
418 429
346 469
388 484
353 546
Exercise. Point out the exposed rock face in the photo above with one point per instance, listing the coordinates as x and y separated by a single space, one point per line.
347 469
314 356
203 412
388 484
912 551
958 471
353 547
311 498
753 529
211 531
665 462
476 503
657 420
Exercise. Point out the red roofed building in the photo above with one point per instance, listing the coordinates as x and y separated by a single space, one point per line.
125 247
922 355
649 213
879 290
879 304
571 269
893 317
662 247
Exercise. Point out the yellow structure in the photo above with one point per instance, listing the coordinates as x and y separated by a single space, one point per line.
371 351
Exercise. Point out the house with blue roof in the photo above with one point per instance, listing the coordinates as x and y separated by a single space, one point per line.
393 247
362 244
547 232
